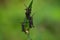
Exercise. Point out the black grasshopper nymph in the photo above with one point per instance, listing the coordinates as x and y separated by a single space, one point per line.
28 19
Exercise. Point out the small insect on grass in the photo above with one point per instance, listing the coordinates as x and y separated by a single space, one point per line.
28 21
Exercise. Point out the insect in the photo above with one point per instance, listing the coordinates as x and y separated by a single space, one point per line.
29 18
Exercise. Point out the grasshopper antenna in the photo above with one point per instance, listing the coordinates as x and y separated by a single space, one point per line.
25 5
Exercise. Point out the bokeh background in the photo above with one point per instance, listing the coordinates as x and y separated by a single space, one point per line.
46 19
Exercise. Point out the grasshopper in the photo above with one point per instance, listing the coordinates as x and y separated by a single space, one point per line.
29 18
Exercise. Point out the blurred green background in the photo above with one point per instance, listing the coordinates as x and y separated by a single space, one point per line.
46 19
